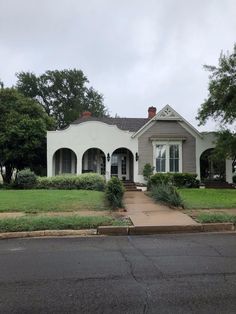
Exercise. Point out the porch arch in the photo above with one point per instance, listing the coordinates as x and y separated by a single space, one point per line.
64 161
94 160
122 164
210 169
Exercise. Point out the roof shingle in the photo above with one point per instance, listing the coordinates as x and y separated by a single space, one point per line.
125 124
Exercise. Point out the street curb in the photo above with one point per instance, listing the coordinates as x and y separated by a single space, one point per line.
47 233
226 226
142 230
164 229
123 230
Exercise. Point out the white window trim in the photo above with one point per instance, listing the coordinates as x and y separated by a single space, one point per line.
168 143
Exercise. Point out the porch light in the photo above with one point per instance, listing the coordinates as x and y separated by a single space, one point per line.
136 156
108 157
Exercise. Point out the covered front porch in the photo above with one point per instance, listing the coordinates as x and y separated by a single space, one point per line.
119 163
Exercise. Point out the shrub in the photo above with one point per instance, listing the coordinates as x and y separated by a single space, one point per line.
177 179
234 179
86 181
147 171
167 194
114 192
25 179
187 180
159 178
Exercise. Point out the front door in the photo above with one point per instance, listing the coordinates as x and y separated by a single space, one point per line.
120 166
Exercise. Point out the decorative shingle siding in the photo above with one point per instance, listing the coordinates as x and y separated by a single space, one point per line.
162 128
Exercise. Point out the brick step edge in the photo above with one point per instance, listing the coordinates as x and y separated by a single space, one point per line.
145 230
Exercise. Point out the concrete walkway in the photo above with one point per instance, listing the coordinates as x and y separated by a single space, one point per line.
144 212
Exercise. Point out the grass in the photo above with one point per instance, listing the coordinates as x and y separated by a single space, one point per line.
208 198
215 217
57 223
33 201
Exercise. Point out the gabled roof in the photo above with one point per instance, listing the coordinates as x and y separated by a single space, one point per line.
125 124
167 114
137 125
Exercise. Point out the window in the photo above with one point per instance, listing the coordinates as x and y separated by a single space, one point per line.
66 161
167 156
161 158
174 158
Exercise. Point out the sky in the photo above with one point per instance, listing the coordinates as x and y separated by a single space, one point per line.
137 53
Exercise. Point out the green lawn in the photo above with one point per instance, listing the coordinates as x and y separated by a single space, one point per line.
57 223
208 198
31 201
215 217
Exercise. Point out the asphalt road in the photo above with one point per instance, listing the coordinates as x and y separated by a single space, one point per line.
140 274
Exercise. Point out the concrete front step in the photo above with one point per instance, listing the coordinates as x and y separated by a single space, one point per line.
130 186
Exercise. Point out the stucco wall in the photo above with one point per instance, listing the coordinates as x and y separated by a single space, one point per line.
91 134
145 146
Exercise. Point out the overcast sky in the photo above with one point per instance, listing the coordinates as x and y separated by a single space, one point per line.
136 53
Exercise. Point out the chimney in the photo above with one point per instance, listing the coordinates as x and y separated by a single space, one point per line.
86 114
151 112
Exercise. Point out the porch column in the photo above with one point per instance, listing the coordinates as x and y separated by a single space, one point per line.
228 171
108 168
79 164
135 169
50 165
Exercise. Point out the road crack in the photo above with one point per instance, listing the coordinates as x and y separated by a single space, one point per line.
137 280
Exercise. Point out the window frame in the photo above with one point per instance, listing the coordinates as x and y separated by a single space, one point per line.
167 161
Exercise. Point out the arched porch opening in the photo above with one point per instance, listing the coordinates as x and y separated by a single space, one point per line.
122 164
94 160
64 161
211 169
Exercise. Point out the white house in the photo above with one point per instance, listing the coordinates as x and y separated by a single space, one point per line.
122 146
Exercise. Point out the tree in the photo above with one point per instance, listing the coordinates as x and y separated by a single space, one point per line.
221 103
23 125
63 94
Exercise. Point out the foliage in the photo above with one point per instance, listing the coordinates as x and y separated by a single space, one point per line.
30 223
86 181
34 201
208 198
234 179
147 171
23 125
176 179
216 217
114 192
188 180
226 146
221 101
26 179
167 194
63 94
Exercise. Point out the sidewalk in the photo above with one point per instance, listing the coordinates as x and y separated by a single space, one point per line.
144 212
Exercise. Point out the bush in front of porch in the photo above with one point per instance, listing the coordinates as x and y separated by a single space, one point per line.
86 181
178 180
114 193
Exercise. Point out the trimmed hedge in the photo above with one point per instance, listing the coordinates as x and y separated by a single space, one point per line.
177 179
86 181
114 192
